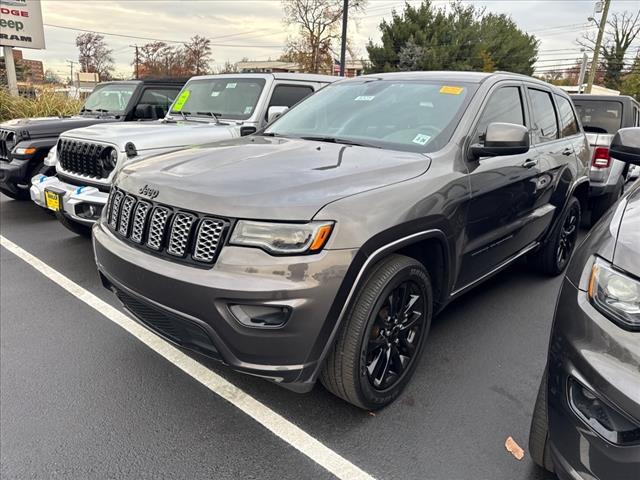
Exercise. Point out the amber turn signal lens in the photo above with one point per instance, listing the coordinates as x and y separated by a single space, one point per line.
321 237
593 280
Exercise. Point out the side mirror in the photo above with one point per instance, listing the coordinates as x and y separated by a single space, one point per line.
502 139
625 145
275 112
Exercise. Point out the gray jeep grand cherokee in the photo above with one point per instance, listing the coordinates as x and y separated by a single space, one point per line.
322 246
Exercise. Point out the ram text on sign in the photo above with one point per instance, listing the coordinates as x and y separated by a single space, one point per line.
21 24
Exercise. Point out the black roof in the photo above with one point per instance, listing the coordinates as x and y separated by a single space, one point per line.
606 98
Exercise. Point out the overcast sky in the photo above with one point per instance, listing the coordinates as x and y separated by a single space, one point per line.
254 28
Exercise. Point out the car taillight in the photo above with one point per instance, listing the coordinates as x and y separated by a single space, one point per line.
601 158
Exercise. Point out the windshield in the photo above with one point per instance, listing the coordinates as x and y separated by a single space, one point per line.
230 98
599 116
112 98
396 114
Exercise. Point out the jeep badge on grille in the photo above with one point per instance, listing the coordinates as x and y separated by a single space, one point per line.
147 191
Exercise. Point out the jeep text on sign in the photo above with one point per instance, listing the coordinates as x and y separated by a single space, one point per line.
21 24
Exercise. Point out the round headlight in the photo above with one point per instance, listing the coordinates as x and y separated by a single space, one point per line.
110 158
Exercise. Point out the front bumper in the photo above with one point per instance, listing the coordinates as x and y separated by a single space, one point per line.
12 174
74 198
589 348
190 306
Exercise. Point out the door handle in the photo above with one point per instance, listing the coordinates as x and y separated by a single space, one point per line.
530 163
567 151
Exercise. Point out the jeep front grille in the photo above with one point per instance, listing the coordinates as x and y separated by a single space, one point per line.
7 142
184 236
84 158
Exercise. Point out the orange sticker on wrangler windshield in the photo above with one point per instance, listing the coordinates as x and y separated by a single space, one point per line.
451 90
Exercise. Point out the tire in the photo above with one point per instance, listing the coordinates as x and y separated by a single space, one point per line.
539 447
75 227
21 193
601 204
548 259
371 344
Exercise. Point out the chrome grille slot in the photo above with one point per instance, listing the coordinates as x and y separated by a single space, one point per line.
139 221
125 215
180 233
207 239
186 237
157 228
114 211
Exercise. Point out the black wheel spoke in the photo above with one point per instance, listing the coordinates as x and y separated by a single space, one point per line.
395 335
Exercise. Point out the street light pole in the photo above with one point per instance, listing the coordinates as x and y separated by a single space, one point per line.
583 71
596 51
343 47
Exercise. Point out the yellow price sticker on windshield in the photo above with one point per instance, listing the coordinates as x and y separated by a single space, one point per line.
182 99
451 90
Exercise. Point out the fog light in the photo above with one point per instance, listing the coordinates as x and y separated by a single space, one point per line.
90 211
260 316
603 418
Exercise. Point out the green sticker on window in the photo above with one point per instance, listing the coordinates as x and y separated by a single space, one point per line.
182 99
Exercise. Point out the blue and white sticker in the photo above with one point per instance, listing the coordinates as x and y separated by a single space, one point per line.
248 110
421 139
365 98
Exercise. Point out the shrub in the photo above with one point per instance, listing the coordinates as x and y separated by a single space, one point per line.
46 104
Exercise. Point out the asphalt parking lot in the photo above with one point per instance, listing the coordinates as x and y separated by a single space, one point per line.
82 398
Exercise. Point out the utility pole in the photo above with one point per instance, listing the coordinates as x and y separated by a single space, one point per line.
137 61
583 71
343 47
596 51
71 63
10 68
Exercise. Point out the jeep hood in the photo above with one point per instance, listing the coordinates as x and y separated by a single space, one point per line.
627 249
155 134
268 178
40 127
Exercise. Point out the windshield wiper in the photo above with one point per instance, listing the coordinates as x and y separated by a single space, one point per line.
209 114
342 141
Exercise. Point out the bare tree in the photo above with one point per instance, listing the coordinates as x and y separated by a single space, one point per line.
94 55
198 54
318 23
152 59
621 31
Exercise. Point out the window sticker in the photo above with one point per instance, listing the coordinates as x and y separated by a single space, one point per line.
181 100
215 93
248 110
231 85
426 104
421 139
365 98
451 90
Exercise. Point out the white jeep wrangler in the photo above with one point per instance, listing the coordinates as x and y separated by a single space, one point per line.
208 109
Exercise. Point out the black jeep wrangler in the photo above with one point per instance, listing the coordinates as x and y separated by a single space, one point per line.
25 142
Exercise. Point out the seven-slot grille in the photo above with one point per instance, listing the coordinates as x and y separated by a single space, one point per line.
83 158
190 237
7 138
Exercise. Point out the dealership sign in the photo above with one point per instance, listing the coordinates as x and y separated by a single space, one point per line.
21 24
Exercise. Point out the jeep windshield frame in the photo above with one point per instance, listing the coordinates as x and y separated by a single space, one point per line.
109 98
393 114
229 98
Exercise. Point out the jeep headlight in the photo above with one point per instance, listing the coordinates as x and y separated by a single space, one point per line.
24 150
282 238
615 295
110 158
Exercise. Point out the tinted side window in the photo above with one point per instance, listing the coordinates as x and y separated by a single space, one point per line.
567 117
162 97
544 116
505 105
289 95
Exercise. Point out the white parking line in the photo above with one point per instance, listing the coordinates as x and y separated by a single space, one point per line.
280 426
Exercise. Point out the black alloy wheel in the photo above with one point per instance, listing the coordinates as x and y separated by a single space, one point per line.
395 334
568 236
